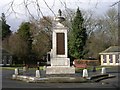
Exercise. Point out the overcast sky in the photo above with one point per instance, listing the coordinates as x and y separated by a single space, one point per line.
14 20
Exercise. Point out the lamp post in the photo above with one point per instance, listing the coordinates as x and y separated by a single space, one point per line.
30 40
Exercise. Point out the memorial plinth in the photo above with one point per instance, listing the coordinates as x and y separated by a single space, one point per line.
60 63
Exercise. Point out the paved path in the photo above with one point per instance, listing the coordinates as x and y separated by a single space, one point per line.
107 83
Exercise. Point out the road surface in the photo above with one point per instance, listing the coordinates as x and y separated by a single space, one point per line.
7 82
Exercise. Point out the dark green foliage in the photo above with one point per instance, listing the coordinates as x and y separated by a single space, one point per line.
24 31
78 36
5 27
25 35
0 29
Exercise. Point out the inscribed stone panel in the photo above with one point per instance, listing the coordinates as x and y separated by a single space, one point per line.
60 43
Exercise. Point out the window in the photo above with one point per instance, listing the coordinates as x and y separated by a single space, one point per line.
117 58
5 58
104 59
111 59
10 60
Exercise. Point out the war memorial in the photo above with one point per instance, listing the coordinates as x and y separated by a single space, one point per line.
60 69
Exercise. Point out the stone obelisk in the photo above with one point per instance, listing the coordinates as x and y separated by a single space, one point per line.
60 63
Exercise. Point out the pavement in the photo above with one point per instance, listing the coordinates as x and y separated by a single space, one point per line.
7 82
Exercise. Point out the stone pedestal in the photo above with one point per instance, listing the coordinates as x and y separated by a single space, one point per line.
60 70
60 63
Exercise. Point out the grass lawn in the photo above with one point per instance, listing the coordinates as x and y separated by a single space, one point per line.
20 68
41 68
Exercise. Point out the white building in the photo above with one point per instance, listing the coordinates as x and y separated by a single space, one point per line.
111 56
6 57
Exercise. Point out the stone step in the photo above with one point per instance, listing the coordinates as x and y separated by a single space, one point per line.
98 78
107 77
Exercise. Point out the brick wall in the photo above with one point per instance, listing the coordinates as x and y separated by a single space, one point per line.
88 62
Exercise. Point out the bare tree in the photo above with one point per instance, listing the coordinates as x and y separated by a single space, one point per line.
18 47
115 3
111 25
42 32
90 22
104 34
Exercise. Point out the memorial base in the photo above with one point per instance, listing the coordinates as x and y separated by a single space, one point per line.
60 62
60 70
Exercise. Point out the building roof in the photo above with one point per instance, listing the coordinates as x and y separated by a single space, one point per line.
112 49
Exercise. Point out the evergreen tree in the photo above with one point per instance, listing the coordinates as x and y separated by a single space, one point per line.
5 27
25 35
24 31
0 30
78 36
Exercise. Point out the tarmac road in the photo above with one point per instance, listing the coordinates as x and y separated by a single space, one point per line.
7 82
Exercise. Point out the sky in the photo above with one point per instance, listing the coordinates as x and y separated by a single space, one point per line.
18 14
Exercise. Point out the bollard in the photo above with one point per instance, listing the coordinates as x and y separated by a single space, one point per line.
85 73
16 71
14 76
103 70
37 73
